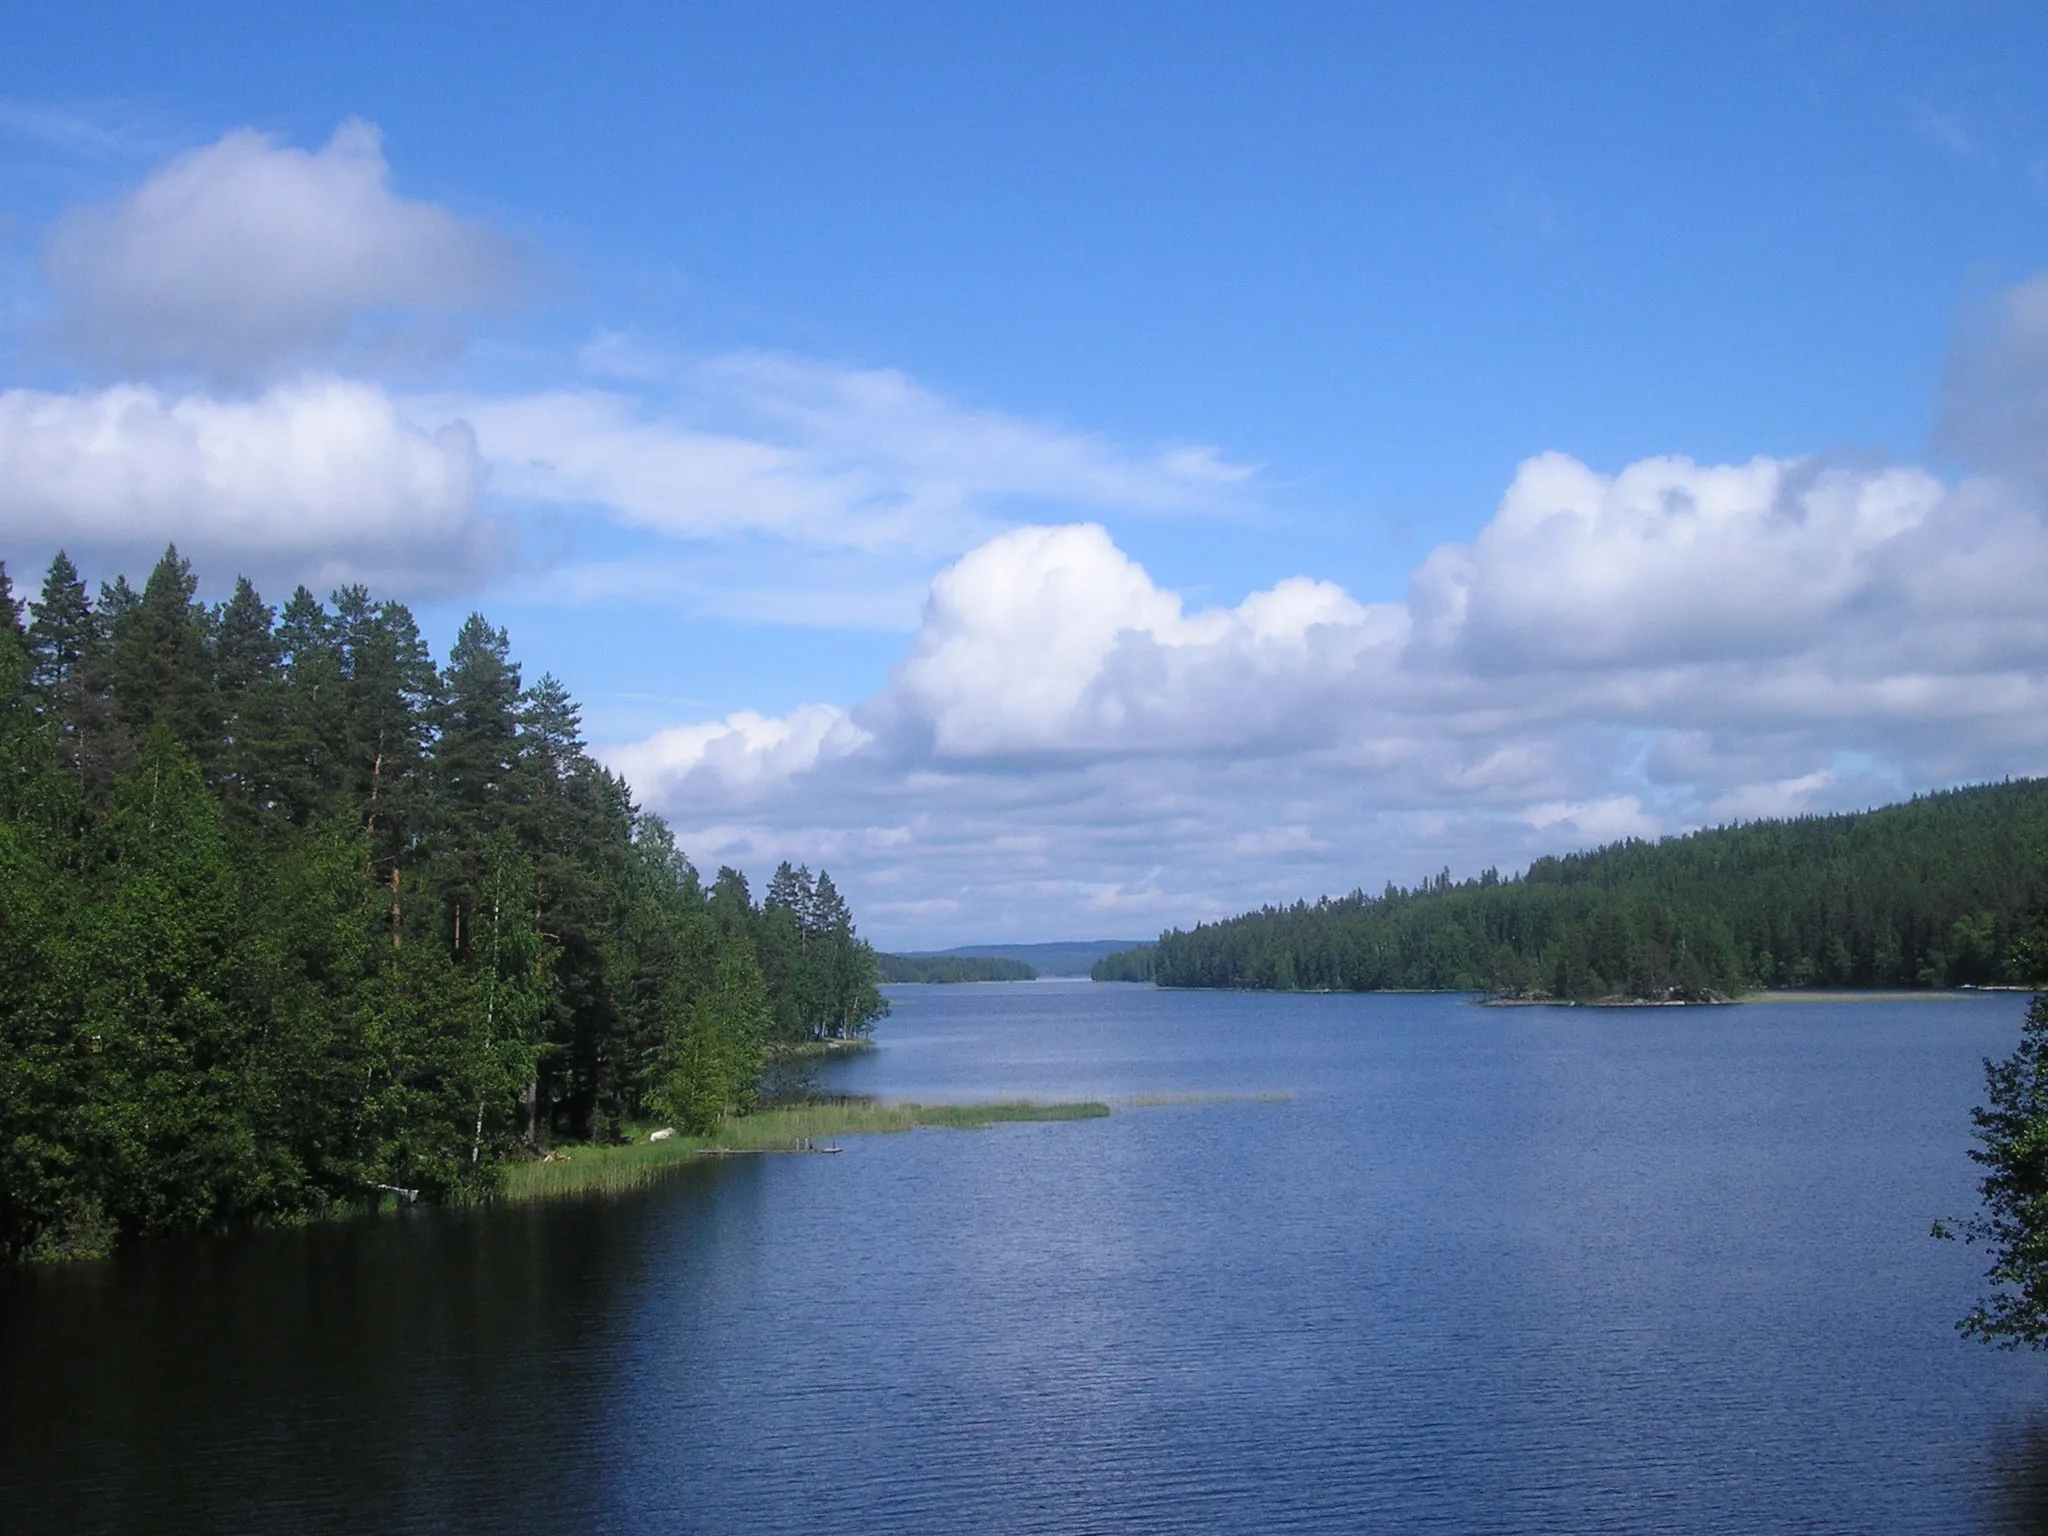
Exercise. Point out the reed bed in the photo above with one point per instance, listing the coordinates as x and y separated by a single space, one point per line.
598 1169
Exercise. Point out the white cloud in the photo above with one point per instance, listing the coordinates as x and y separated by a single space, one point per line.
1666 562
1611 656
1054 639
321 480
742 752
811 453
248 255
1595 821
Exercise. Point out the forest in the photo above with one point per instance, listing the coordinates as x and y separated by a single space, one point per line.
1946 890
953 968
295 918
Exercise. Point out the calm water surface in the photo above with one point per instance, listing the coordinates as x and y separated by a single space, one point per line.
1478 1270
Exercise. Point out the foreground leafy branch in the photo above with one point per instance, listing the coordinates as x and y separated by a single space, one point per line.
2012 1131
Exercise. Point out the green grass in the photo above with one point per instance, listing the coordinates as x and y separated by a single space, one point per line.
830 1050
594 1169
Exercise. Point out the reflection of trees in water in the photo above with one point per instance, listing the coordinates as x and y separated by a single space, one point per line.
2020 1468
434 1370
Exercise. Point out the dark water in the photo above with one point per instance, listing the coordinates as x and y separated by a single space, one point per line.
1482 1271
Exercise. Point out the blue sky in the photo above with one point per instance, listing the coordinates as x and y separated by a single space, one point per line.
695 348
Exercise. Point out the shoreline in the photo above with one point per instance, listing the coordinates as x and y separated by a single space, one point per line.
828 1049
582 1168
1768 995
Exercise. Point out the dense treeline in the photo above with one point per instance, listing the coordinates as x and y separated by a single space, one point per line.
289 915
1133 964
953 968
1946 890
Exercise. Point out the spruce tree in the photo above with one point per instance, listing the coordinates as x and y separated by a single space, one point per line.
248 687
306 761
476 758
160 668
61 632
67 642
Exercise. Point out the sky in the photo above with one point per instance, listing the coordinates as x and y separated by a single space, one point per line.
1075 470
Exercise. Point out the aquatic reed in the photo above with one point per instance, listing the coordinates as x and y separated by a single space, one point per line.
594 1168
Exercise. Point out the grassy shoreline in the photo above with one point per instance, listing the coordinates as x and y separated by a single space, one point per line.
594 1169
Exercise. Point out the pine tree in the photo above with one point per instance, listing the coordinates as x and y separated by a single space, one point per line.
62 633
248 687
160 669
476 759
392 689
67 642
851 987
790 961
305 761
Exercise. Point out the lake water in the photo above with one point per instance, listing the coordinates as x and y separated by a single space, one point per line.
1459 1270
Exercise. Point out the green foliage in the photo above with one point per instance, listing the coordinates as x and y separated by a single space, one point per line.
290 919
1134 964
613 1169
713 1056
822 975
1946 890
2013 1135
952 968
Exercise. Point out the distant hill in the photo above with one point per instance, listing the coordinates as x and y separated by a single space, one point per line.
1071 957
1945 890
953 968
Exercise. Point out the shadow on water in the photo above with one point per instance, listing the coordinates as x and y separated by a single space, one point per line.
2019 1461
437 1370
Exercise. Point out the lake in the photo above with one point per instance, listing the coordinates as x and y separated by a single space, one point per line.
1355 1263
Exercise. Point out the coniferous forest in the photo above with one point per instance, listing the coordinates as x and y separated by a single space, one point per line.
1947 890
290 917
953 968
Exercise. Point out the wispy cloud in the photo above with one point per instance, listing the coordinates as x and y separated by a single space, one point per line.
101 133
816 454
1945 131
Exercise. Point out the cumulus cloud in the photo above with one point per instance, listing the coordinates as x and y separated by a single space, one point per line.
1052 639
249 255
1612 655
320 480
812 453
1668 561
743 751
